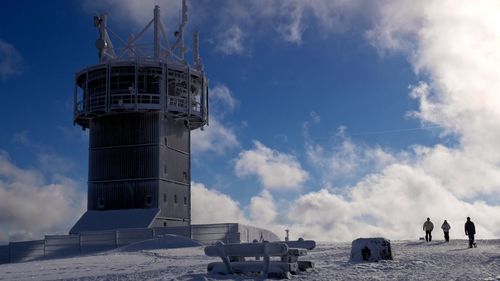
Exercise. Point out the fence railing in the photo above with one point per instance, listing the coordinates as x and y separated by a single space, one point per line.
57 246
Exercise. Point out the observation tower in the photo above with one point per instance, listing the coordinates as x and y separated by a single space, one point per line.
140 103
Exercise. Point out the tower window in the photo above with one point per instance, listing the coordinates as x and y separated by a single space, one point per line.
100 203
175 198
185 176
164 223
166 141
165 169
164 197
185 200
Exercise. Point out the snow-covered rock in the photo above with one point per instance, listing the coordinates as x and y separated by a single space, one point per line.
371 249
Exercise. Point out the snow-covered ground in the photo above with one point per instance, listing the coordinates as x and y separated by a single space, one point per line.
413 260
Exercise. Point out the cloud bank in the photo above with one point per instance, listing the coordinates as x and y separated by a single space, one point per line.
33 203
211 206
274 169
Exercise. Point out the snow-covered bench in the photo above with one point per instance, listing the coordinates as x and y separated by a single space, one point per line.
234 262
300 244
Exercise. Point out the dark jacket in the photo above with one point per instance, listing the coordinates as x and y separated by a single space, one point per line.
470 229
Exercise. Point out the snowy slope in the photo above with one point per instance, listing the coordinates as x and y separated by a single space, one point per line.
413 260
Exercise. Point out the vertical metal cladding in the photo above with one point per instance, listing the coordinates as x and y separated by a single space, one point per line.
140 160
124 146
121 129
123 161
174 174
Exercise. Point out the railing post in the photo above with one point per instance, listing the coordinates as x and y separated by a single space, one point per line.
86 98
266 259
136 82
189 92
80 242
75 98
162 89
44 244
108 86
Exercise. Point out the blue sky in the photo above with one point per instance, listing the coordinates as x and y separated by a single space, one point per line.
320 111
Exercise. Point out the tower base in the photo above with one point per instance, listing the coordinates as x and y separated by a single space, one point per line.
115 219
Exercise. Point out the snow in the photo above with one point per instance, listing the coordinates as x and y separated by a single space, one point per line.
413 260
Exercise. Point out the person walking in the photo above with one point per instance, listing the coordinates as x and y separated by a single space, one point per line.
470 230
428 227
446 229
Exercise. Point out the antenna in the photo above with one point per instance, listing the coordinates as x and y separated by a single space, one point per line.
159 50
103 43
180 33
196 52
156 27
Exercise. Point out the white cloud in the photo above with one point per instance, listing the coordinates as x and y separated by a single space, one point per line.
230 41
291 30
222 97
211 206
456 44
10 60
393 203
466 175
31 206
216 138
274 169
345 159
265 212
315 117
262 209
